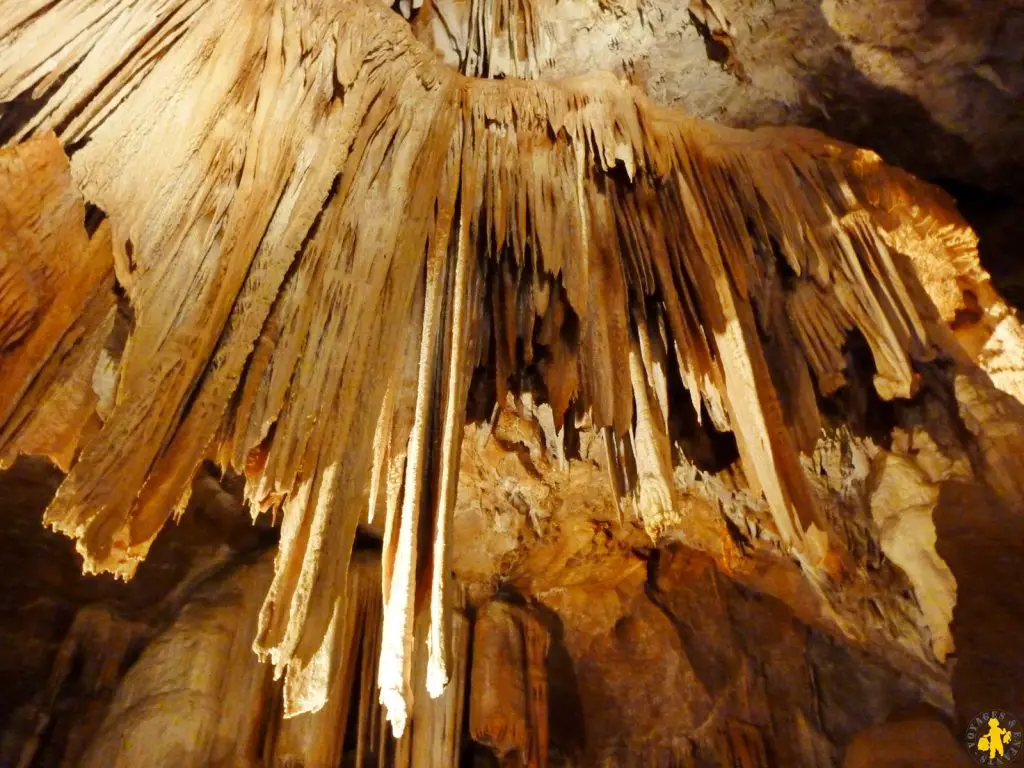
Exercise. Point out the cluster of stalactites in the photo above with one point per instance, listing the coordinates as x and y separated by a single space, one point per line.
343 231
488 38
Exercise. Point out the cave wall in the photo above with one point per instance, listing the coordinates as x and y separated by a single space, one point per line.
669 655
648 659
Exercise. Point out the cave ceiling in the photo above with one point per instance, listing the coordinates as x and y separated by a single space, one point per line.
527 297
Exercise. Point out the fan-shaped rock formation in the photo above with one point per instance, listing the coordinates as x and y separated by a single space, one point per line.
584 430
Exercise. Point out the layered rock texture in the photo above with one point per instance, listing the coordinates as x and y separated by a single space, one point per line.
442 404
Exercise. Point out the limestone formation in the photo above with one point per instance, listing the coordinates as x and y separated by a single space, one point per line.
289 241
509 688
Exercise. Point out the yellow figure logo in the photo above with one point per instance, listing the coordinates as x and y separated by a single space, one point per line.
994 741
994 738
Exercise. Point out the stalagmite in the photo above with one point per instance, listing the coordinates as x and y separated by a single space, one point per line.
537 641
508 693
903 500
323 236
509 685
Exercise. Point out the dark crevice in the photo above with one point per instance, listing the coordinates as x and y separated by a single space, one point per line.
567 736
857 403
465 756
737 536
23 108
94 216
71 149
998 219
129 255
482 395
570 436
719 48
695 439
124 324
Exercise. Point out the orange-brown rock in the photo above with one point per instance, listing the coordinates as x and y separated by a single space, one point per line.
906 744
56 304
500 703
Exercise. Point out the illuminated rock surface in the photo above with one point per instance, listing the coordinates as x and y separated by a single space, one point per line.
572 429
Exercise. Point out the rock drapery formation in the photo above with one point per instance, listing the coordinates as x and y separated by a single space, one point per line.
331 250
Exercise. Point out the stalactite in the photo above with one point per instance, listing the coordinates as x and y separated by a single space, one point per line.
318 737
435 730
56 303
322 233
504 37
